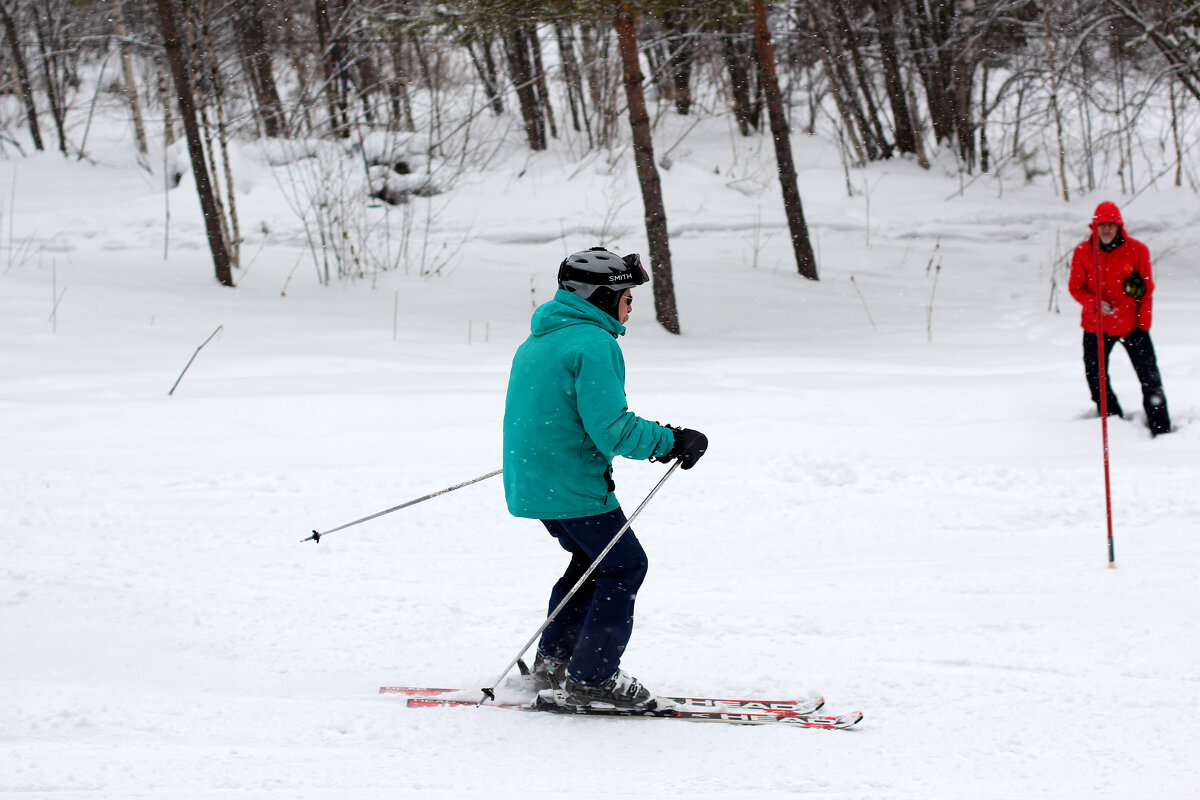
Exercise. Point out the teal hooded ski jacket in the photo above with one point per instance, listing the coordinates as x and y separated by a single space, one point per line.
566 417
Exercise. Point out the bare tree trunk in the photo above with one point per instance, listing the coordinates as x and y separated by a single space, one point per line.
839 92
864 85
330 69
1175 136
520 67
53 90
814 100
187 109
594 61
1062 155
927 35
398 85
680 61
489 66
918 123
368 75
1124 124
656 56
131 90
985 153
486 69
841 84
964 77
594 42
1089 153
433 74
14 44
574 77
210 154
300 118
539 74
164 99
894 82
229 222
806 262
739 85
643 152
1016 137
256 53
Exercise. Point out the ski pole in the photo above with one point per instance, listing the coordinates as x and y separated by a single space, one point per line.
490 692
316 537
1101 358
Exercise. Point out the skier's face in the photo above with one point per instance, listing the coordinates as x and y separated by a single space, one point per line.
624 306
1107 231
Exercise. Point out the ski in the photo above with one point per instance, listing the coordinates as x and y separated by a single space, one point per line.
683 713
801 706
797 713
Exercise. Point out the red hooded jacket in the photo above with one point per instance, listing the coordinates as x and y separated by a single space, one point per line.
1131 313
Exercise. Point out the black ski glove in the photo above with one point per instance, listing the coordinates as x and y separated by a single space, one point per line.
689 446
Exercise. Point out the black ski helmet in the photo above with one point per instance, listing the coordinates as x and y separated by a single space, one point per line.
600 277
588 270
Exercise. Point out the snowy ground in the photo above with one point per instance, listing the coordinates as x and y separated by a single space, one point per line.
901 510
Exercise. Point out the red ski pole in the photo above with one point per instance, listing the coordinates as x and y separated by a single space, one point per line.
1103 390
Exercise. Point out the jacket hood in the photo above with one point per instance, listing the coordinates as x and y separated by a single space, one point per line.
567 309
1107 212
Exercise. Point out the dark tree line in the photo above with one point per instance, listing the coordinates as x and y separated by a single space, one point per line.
901 73
893 78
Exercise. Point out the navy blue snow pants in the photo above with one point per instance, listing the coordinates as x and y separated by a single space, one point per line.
592 630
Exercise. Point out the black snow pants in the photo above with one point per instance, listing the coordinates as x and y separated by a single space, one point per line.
1141 354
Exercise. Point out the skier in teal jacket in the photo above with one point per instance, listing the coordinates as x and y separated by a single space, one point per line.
565 419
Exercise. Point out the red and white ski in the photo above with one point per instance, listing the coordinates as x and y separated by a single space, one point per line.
798 713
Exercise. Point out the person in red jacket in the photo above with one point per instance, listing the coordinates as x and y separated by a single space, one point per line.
1119 305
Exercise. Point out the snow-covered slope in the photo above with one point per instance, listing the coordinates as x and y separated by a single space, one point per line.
902 507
